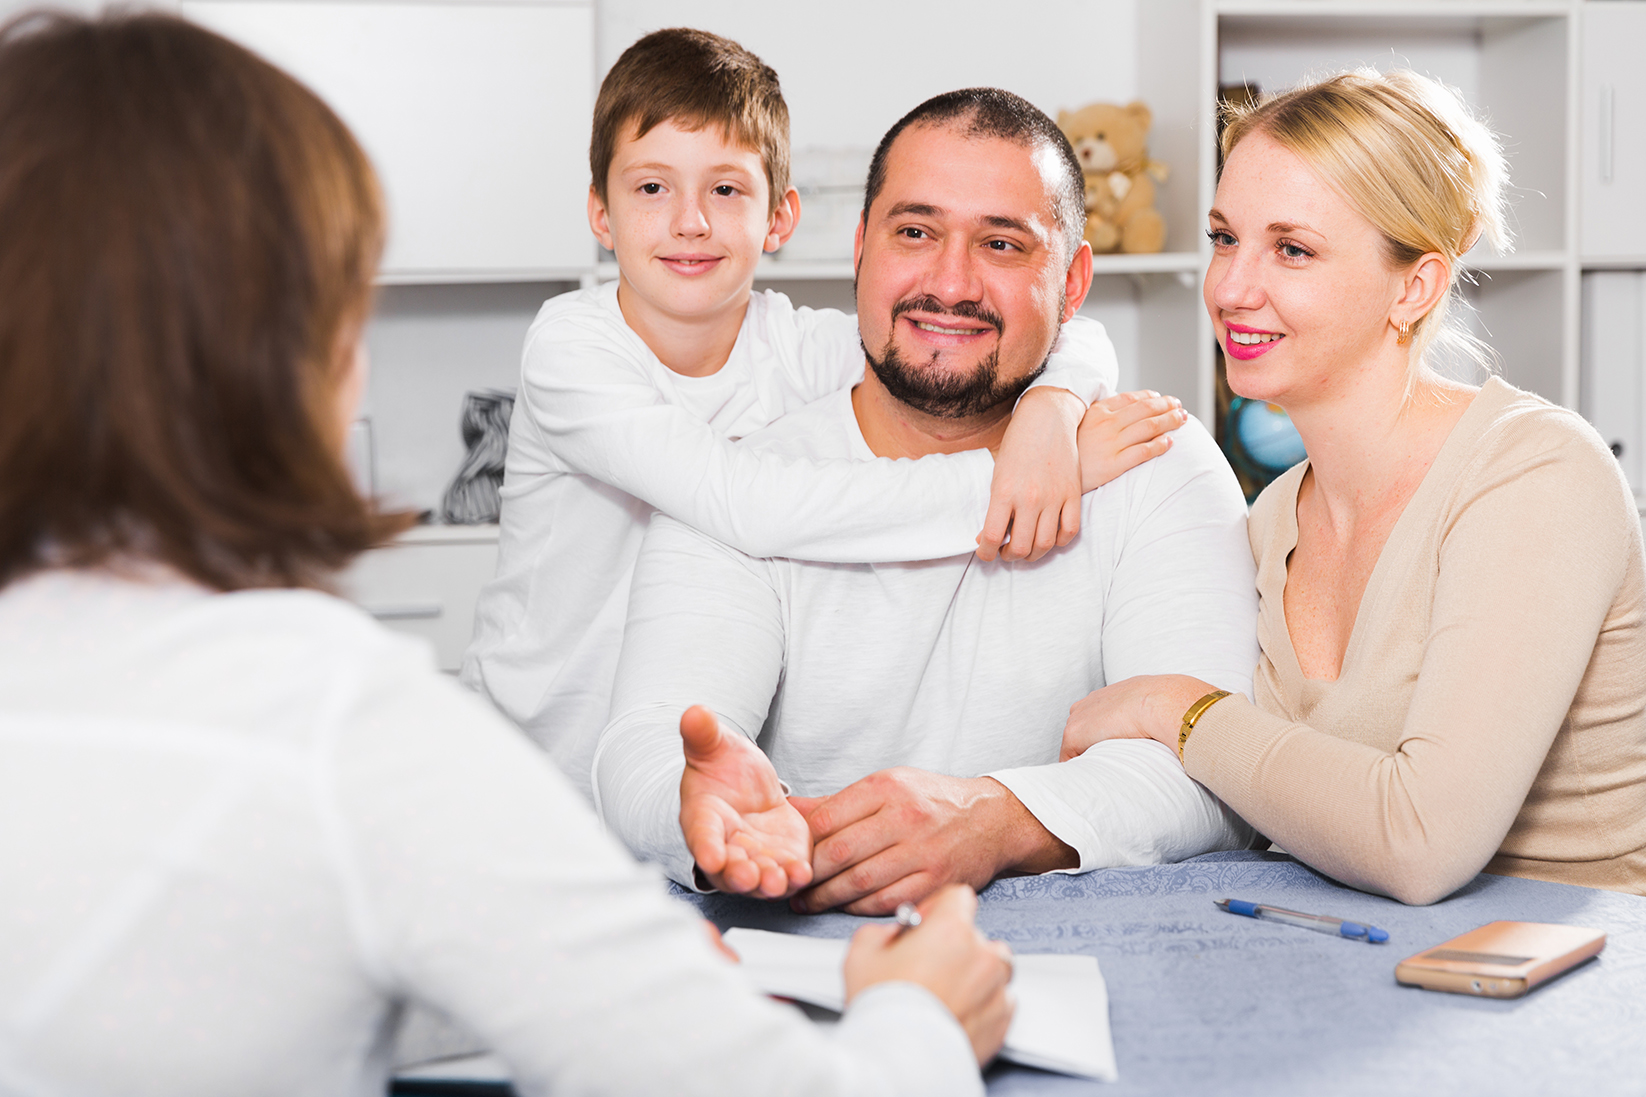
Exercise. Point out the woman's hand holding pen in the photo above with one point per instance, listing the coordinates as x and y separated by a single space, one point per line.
949 957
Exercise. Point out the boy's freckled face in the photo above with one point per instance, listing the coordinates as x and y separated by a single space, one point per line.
688 215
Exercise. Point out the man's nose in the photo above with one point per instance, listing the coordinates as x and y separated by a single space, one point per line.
689 219
953 275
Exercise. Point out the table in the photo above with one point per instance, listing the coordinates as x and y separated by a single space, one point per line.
1203 1002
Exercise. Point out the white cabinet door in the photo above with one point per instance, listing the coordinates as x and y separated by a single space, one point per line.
1614 132
426 584
476 115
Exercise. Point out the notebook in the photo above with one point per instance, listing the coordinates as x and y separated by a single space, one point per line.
1062 1018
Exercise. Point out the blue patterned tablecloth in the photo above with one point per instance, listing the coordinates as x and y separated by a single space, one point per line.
1203 1002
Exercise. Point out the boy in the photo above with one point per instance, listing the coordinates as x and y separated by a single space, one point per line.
631 394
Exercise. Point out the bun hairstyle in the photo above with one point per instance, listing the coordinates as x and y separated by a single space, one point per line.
1406 153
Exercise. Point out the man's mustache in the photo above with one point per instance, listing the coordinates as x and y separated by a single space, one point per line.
965 310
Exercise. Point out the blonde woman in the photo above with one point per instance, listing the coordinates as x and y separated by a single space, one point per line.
1453 667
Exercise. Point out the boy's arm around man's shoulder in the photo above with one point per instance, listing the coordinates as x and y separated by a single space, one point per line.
590 401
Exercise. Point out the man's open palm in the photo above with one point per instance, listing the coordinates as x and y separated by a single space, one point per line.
743 833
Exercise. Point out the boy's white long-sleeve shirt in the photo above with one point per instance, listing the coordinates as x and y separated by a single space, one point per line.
953 666
603 434
237 831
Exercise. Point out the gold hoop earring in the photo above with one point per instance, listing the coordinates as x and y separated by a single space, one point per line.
1403 332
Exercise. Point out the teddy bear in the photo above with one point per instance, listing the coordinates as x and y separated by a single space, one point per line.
1112 144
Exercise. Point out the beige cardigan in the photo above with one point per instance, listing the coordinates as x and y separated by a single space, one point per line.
1490 713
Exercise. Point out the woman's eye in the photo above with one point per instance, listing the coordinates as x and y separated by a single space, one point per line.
1294 251
1219 238
651 188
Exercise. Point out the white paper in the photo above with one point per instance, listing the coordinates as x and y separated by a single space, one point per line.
1062 1018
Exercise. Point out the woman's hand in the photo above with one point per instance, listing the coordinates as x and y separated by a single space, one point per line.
1035 494
949 957
1149 706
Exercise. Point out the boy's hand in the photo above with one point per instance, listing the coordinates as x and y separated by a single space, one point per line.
1035 495
1124 431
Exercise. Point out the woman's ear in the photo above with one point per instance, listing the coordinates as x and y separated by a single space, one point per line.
1424 284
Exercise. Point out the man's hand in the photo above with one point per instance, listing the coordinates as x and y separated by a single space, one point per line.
900 834
1035 494
1122 432
746 838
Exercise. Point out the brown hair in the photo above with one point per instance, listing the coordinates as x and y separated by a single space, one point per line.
694 79
188 239
1405 152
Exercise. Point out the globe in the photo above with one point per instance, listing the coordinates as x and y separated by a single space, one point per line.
1266 434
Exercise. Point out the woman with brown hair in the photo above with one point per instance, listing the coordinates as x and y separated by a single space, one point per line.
240 823
1452 589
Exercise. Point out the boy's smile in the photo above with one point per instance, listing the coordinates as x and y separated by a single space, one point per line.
688 215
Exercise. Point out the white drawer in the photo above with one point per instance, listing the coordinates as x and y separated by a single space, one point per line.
426 584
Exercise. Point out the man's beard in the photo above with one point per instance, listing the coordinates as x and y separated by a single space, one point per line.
946 395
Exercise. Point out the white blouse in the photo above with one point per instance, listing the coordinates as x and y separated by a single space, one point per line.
238 833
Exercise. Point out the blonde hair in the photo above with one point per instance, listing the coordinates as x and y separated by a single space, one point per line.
1406 153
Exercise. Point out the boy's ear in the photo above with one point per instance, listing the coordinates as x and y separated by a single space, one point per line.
784 220
599 222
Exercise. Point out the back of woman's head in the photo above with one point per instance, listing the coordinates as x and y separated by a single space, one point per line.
1405 152
188 239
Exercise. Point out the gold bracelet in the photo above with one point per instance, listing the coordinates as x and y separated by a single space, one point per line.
1196 711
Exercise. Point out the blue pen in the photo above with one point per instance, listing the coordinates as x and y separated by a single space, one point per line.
1337 927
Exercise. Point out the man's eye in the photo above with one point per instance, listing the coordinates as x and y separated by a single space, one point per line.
1001 245
912 233
651 188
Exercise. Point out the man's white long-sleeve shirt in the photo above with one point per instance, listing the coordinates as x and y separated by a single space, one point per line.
603 432
954 666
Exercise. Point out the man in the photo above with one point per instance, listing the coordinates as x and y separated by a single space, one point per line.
917 709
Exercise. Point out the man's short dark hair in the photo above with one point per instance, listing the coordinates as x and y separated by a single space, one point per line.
991 112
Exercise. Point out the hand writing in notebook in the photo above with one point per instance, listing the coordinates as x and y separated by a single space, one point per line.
745 836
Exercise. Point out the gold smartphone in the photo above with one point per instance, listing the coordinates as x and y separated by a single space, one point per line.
1501 959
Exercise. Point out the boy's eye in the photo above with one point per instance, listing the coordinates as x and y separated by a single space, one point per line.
725 190
651 188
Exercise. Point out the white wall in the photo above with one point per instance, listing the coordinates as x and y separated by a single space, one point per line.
850 68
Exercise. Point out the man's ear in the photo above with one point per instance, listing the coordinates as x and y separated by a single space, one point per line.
599 221
1077 283
785 218
857 246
